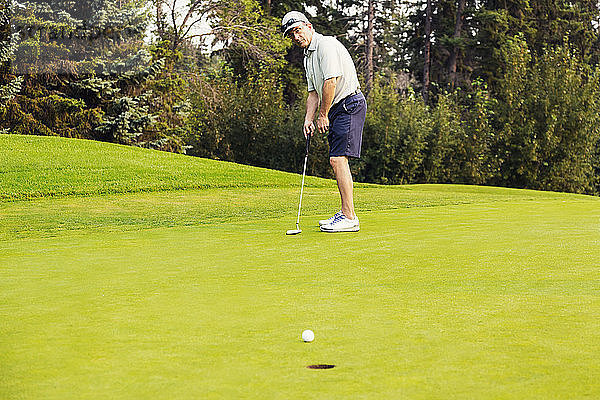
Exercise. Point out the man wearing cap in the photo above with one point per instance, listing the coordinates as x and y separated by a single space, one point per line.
333 90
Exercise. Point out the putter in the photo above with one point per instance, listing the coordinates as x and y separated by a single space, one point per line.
298 230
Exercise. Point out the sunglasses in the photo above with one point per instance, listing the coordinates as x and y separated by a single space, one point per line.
290 22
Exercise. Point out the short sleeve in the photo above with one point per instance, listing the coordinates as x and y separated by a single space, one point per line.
330 60
311 86
309 81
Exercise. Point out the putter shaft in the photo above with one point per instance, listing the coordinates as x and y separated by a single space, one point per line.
302 186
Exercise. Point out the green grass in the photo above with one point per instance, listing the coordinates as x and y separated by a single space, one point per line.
448 292
34 167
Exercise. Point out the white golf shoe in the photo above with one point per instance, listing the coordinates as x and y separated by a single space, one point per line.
342 224
330 219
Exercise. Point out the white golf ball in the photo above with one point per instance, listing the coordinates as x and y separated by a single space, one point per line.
308 335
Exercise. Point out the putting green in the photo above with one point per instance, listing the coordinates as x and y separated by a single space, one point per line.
446 292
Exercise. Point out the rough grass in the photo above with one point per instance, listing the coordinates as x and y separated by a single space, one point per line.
125 288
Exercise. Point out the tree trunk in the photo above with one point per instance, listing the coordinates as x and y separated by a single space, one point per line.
427 52
4 40
457 31
160 19
370 46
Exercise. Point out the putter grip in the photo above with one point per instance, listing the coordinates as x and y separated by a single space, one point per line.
307 143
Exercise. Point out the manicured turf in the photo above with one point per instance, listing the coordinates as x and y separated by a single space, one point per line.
447 291
34 167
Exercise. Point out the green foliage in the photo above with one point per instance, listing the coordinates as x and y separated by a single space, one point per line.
566 110
248 122
83 62
76 38
474 147
125 101
441 163
50 113
126 119
406 141
9 85
108 107
548 119
245 28
394 136
10 90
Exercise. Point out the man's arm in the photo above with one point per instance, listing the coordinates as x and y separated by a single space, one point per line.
312 104
328 94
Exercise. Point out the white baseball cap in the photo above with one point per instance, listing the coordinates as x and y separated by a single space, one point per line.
292 20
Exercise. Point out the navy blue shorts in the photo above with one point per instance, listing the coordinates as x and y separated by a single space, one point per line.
346 122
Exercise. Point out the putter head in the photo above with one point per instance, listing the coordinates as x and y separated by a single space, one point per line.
293 231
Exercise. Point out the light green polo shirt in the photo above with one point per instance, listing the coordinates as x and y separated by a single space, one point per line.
327 58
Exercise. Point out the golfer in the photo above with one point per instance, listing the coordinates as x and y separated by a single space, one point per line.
333 91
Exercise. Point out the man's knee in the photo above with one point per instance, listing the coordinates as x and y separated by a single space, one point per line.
337 162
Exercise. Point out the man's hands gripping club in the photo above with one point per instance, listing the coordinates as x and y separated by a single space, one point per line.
322 126
312 104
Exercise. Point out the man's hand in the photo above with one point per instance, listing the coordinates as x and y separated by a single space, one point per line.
309 128
328 94
312 103
323 124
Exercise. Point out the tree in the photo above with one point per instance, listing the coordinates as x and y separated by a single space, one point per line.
541 24
548 120
63 45
370 46
214 24
427 52
456 45
9 85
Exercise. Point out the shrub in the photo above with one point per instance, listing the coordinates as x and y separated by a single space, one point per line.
50 113
548 120
394 137
247 121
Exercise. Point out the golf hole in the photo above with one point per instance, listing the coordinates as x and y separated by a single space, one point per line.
321 366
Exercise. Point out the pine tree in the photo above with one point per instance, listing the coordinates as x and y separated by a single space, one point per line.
9 85
542 23
450 57
70 38
67 46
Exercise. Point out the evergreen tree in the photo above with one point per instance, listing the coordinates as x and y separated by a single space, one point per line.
453 51
9 85
69 38
68 46
542 23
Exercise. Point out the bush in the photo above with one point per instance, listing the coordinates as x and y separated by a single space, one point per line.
476 109
548 120
394 138
48 113
441 163
247 121
406 141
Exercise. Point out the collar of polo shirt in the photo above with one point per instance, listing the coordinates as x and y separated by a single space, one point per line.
313 43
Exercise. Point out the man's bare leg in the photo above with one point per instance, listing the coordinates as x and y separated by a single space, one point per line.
343 176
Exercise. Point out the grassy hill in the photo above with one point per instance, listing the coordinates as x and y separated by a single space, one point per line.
127 273
37 166
82 185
